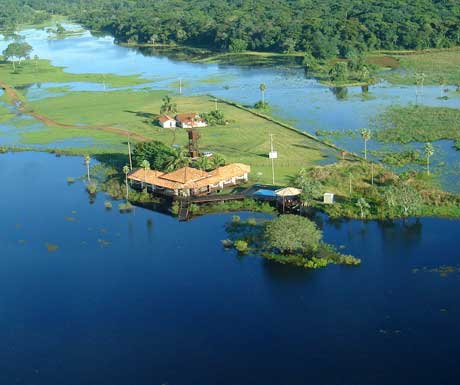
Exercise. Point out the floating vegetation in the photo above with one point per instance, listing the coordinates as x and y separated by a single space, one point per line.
337 133
227 243
103 242
50 247
443 270
125 207
108 205
70 219
22 241
91 187
401 158
70 180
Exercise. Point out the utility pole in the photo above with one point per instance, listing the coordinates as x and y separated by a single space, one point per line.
215 100
372 173
350 184
129 152
180 86
272 156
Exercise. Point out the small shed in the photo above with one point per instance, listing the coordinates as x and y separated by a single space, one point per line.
166 121
328 198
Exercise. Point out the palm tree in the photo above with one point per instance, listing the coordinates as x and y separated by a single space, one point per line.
366 135
146 166
419 81
217 161
203 163
428 149
87 162
262 89
168 106
126 170
363 206
177 160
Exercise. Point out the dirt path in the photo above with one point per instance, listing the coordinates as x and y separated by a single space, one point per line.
21 106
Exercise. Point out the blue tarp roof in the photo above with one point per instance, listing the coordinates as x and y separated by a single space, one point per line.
265 193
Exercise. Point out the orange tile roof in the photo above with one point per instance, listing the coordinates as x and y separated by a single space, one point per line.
188 177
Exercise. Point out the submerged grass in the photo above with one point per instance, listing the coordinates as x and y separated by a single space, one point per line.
405 124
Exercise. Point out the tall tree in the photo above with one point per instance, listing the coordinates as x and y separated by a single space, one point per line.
366 136
145 164
263 88
428 150
17 51
168 107
178 159
87 160
126 171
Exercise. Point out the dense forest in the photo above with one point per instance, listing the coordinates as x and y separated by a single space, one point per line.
323 28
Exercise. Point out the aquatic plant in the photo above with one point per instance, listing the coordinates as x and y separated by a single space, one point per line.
241 246
125 207
91 187
108 205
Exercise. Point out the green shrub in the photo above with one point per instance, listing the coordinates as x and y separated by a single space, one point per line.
91 187
241 246
125 207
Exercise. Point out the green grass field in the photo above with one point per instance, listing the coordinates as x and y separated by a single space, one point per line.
437 65
245 139
41 71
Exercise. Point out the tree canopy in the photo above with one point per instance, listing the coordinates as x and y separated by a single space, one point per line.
323 29
292 234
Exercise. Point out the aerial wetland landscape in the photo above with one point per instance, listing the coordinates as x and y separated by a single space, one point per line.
251 208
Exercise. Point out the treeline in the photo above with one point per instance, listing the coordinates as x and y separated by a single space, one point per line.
14 13
323 28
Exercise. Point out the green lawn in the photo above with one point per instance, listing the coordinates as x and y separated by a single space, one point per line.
5 114
41 71
244 139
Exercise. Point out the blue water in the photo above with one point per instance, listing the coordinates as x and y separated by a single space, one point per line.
144 299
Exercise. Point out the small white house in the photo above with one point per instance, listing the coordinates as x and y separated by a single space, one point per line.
328 198
166 121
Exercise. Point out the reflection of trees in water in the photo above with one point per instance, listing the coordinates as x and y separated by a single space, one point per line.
287 274
340 93
401 233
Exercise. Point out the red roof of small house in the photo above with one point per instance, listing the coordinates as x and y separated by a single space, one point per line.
164 118
187 117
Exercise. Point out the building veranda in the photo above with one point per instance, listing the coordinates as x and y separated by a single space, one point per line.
188 181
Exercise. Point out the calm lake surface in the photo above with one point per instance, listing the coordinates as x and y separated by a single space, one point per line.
90 296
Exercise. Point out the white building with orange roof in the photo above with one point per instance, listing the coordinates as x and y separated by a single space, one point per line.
189 181
166 121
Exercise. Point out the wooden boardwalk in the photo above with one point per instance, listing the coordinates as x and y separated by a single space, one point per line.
217 198
183 210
